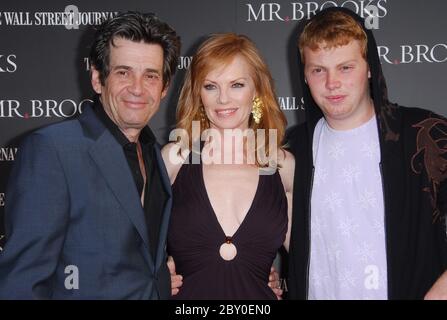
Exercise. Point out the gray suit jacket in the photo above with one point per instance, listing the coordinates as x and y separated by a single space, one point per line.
75 226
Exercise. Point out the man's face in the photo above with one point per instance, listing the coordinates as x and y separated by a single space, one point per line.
133 89
338 82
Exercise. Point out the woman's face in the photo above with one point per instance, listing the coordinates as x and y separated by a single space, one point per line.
227 95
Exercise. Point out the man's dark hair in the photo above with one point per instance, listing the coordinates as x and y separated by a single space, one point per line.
135 26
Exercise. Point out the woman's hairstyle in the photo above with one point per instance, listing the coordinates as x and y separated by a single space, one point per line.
217 51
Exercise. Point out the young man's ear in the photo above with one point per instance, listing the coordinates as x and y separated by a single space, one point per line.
96 80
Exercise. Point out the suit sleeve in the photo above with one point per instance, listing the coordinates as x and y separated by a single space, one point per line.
36 219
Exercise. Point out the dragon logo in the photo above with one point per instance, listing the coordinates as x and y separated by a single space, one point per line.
431 143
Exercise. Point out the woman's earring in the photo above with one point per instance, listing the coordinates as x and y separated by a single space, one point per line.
203 117
257 110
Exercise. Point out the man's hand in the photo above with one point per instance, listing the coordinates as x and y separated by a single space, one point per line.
439 290
275 283
176 279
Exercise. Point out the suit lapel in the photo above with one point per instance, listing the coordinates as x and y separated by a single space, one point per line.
112 164
163 173
167 208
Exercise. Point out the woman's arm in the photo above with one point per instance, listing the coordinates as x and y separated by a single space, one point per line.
287 171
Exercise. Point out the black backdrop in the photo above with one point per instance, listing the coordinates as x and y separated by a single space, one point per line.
44 65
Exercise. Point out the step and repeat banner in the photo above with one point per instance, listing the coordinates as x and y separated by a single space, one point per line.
44 46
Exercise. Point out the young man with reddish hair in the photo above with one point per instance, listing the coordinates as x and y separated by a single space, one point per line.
370 190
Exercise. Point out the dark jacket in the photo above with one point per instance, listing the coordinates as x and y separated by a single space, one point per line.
413 145
74 212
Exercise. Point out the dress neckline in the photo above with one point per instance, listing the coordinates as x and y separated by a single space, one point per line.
213 212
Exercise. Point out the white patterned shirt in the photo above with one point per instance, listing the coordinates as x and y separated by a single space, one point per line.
347 251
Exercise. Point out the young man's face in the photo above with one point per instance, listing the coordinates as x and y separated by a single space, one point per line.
133 89
338 82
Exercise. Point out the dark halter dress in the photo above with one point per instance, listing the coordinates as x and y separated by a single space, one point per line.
195 237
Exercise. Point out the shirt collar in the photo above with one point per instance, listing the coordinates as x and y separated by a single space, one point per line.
146 138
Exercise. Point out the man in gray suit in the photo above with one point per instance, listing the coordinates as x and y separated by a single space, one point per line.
89 198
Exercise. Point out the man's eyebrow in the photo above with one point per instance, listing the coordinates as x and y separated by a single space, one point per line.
152 70
310 64
121 67
346 62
